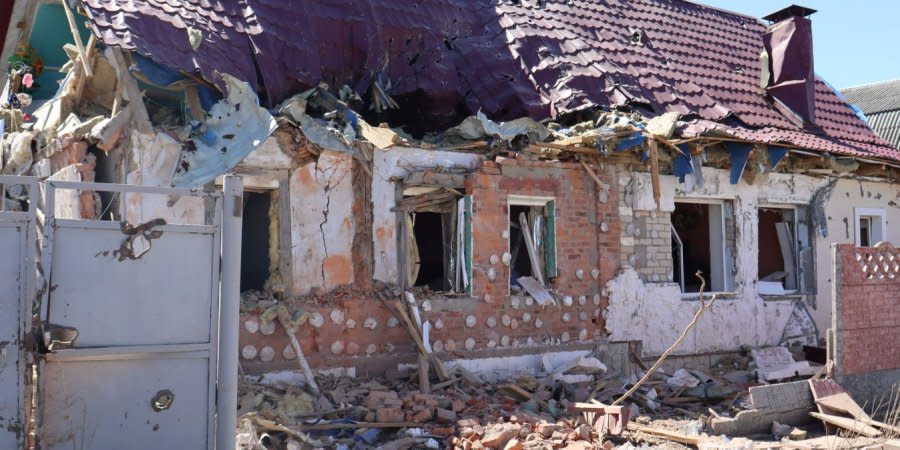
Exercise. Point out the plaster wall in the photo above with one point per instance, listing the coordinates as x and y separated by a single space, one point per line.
322 223
393 164
847 195
656 313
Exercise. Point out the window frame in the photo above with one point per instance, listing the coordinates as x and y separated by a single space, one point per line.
795 235
860 213
550 256
462 236
727 280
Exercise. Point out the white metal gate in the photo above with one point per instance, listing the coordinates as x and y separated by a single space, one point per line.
17 231
144 300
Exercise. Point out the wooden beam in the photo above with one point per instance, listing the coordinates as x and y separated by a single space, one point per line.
654 171
88 70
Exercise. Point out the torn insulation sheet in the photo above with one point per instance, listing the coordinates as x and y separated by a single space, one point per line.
234 127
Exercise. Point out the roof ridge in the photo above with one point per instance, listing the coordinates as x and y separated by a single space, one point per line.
872 84
722 10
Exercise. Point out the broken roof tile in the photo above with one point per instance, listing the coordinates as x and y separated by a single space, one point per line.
507 59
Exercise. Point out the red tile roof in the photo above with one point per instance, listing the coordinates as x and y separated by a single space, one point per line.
449 58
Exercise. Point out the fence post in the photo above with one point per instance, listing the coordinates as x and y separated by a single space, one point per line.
229 312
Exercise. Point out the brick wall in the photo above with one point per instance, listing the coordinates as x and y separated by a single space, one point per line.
360 331
866 319
653 245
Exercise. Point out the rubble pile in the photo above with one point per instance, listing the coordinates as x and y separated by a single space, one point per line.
676 408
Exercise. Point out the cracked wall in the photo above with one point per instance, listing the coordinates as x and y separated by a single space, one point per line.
322 223
387 167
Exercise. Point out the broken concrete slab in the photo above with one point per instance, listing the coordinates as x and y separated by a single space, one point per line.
787 403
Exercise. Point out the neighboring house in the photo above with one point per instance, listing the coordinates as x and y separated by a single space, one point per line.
635 143
880 102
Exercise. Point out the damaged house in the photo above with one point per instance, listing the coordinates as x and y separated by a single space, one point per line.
529 179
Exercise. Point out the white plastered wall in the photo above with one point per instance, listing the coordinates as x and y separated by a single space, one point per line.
847 195
322 223
656 313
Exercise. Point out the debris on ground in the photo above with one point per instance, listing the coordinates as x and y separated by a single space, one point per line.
549 410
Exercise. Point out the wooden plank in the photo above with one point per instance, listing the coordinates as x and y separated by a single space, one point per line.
654 172
467 215
536 290
844 403
532 253
852 425
666 434
821 389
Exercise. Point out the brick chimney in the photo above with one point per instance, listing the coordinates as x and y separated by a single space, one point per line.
788 74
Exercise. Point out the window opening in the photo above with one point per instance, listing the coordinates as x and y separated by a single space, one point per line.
700 242
532 241
870 224
435 228
255 240
777 263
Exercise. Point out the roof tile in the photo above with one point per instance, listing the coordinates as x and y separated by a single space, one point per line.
507 59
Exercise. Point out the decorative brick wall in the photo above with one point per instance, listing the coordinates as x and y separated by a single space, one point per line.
349 330
866 309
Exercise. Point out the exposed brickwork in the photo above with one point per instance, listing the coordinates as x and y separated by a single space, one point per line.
867 309
362 337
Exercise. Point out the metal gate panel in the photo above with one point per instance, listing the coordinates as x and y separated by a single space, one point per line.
107 403
147 331
17 235
165 297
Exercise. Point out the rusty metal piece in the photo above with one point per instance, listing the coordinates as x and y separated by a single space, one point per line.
606 420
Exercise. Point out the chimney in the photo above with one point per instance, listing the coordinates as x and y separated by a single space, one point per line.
787 59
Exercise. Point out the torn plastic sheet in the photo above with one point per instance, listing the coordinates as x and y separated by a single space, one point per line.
635 139
235 127
509 130
160 75
740 153
321 135
681 164
776 154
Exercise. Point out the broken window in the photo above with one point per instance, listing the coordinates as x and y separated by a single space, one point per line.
437 243
778 256
703 239
532 239
870 226
255 261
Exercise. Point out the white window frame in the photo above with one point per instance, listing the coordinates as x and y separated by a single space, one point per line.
720 275
880 224
527 200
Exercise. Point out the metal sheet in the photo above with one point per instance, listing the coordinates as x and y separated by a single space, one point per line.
109 404
11 235
162 298
147 324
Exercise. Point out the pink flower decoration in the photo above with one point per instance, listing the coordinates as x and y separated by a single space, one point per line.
28 80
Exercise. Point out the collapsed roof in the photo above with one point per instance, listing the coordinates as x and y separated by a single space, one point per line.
443 60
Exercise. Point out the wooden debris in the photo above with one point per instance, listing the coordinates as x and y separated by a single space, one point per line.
654 172
673 436
289 329
703 307
852 425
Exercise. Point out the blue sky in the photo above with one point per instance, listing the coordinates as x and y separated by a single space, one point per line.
855 42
